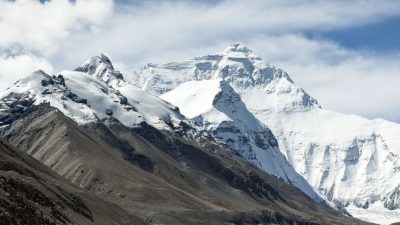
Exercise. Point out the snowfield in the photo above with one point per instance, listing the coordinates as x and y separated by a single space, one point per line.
96 91
215 106
351 160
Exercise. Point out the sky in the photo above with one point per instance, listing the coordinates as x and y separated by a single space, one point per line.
345 53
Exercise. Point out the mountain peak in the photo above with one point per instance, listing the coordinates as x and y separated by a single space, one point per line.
101 67
239 51
217 108
91 64
104 57
237 48
39 72
239 67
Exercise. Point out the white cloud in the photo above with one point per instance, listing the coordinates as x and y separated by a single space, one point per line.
66 34
152 30
344 80
14 67
31 32
33 26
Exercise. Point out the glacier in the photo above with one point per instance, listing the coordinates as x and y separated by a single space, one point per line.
96 91
351 160
217 108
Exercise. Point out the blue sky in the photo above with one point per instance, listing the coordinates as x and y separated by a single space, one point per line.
382 36
345 53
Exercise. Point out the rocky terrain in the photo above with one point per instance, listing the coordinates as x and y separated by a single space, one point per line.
143 159
32 193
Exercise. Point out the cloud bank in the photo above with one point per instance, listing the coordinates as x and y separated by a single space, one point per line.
62 34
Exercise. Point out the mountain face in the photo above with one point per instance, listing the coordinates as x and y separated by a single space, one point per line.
32 193
95 91
218 108
351 160
141 156
246 72
85 97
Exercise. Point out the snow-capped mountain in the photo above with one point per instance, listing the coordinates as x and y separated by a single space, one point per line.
96 91
97 136
217 108
351 160
246 72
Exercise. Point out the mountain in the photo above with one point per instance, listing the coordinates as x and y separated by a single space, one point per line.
351 160
143 161
218 108
32 193
95 91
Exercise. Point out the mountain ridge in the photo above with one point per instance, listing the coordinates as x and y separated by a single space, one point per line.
330 150
215 106
142 151
136 168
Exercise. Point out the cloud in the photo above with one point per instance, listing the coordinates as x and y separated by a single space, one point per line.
62 34
344 80
32 32
21 65
153 29
39 27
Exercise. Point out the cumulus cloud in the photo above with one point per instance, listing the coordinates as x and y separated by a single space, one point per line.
39 27
31 32
152 30
66 33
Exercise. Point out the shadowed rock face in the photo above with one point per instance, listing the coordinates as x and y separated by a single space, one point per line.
155 175
13 107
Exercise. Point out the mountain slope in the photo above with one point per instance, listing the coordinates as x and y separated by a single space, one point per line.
151 168
96 91
84 98
217 108
33 194
162 178
351 160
